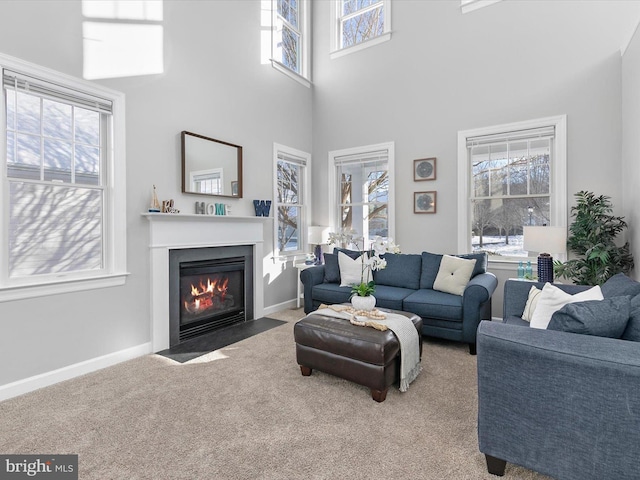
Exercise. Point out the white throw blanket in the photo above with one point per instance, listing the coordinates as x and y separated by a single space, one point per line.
404 330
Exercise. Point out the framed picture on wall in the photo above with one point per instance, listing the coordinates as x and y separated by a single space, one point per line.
424 169
424 202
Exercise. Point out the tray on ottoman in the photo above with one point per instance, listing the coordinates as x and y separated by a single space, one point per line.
362 355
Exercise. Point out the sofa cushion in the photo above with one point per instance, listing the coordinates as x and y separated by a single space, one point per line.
620 285
391 297
430 267
602 318
331 268
402 270
434 304
453 275
632 332
352 270
553 299
351 253
331 293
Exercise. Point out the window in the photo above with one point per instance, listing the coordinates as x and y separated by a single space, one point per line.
358 24
63 179
207 181
290 38
511 176
362 182
291 199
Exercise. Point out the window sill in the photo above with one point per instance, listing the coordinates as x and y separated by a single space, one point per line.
20 292
385 37
298 78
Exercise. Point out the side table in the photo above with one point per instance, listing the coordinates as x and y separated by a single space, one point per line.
300 267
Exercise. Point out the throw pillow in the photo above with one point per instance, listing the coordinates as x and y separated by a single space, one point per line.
331 268
632 332
350 253
602 318
553 299
453 275
430 267
620 285
481 262
532 302
350 269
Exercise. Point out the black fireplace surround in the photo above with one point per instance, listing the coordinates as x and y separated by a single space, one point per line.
209 288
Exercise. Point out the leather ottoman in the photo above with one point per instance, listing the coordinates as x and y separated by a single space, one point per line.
362 355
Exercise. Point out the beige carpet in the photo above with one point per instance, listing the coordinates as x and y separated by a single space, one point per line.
246 412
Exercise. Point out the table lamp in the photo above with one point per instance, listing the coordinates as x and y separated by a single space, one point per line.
318 235
545 241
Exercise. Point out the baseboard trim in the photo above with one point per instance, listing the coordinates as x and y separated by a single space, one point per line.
30 384
291 304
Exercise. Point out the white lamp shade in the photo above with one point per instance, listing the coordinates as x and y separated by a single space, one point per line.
545 239
318 235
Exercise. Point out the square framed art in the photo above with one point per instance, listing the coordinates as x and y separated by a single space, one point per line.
424 202
424 169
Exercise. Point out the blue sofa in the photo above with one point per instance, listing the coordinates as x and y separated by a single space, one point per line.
407 284
563 404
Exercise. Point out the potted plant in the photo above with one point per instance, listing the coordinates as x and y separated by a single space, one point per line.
362 293
592 238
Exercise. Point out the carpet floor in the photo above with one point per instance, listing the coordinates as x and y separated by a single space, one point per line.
246 412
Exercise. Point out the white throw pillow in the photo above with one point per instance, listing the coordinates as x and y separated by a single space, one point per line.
351 270
553 299
532 302
454 274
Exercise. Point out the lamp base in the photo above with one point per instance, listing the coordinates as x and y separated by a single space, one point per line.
318 253
545 268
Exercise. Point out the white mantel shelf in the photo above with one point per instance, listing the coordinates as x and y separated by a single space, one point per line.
168 231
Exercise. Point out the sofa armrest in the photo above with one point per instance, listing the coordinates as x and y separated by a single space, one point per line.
310 277
516 293
563 404
476 304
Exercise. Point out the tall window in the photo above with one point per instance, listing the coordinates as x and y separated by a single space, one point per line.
359 23
59 179
363 197
291 199
514 176
290 37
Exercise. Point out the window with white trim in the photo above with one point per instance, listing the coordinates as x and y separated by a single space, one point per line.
290 37
291 200
358 24
514 175
62 185
362 197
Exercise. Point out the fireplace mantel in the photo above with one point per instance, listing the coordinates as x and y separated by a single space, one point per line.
168 231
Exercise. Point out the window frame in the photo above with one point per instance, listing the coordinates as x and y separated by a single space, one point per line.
557 186
334 207
336 49
304 53
114 271
304 219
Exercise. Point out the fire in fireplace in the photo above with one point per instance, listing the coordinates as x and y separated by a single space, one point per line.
211 295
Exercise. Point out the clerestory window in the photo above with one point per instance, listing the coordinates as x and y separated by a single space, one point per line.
359 24
290 38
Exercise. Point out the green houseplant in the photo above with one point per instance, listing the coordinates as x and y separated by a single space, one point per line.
591 239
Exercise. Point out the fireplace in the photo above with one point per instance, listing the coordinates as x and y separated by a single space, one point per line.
209 288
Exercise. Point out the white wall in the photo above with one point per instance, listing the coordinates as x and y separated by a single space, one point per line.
442 72
214 84
631 145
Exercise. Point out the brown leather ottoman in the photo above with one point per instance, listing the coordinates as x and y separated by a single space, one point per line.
362 355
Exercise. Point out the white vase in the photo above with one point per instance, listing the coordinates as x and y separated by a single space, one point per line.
363 303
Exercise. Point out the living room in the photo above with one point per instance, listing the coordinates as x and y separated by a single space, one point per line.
441 72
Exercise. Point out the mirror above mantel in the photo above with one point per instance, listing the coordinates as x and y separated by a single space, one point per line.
210 166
